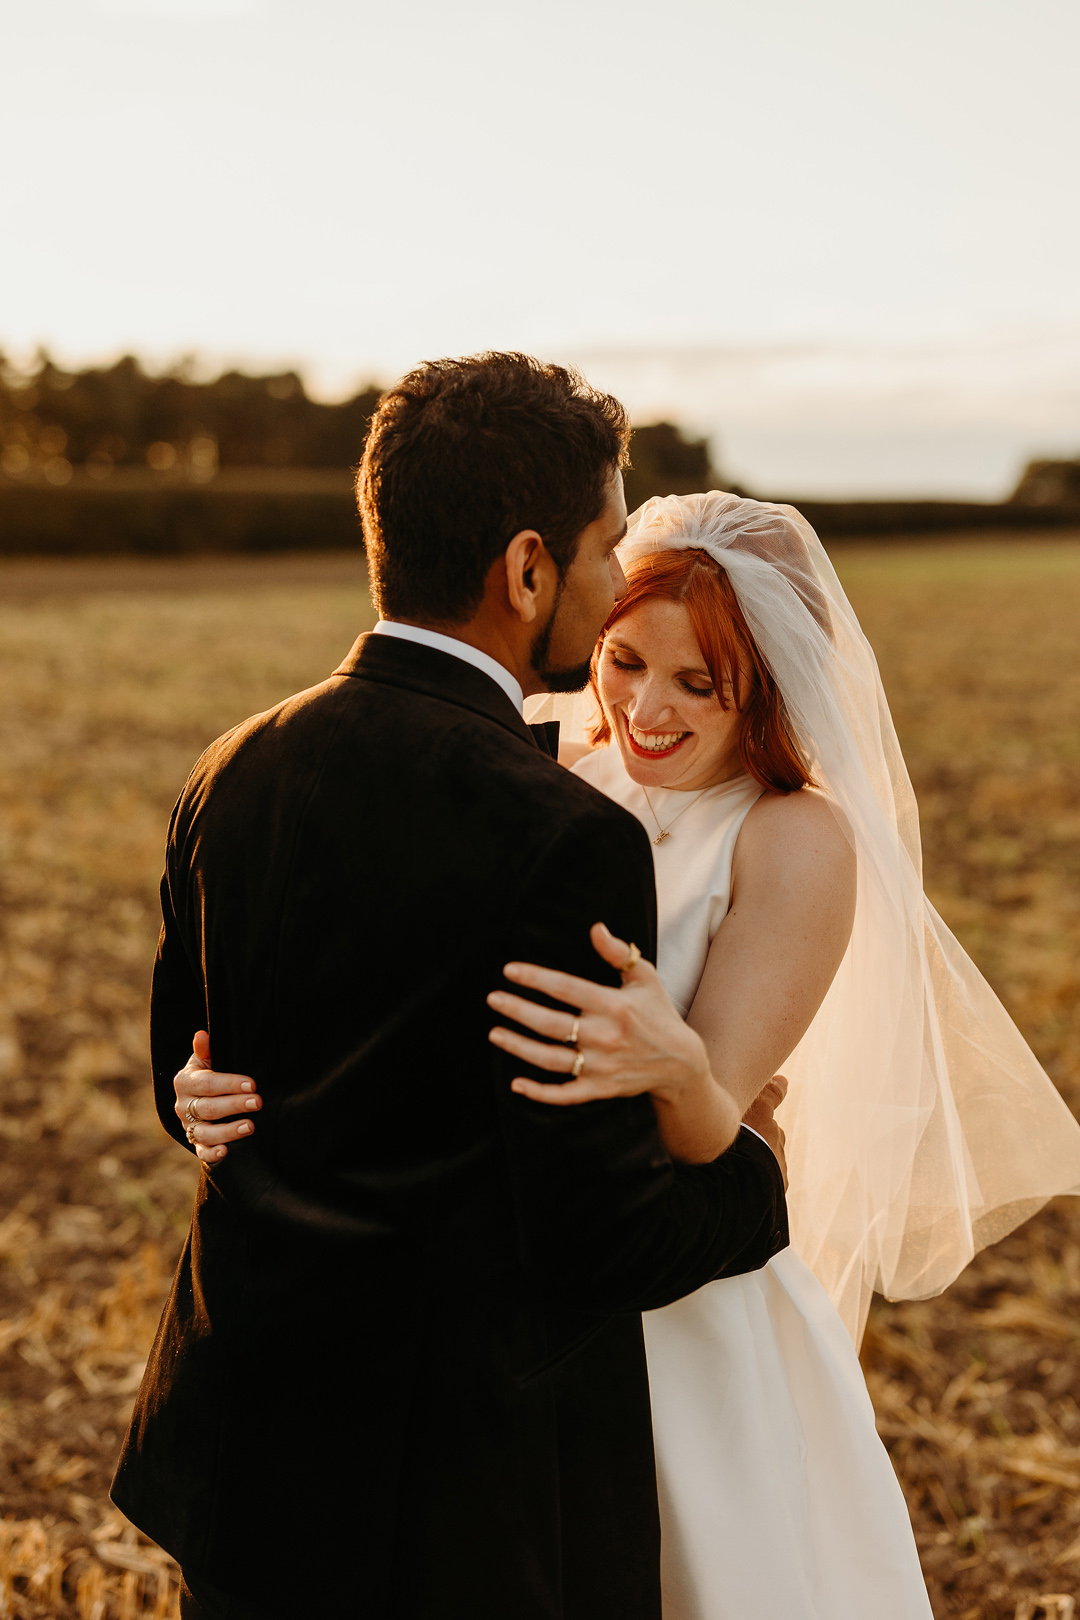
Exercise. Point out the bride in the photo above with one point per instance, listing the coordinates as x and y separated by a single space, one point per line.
737 711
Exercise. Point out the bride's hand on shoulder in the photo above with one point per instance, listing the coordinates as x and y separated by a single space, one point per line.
617 1043
207 1101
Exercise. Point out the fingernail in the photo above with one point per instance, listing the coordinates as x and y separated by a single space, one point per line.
496 1036
252 1102
248 1085
244 1127
510 971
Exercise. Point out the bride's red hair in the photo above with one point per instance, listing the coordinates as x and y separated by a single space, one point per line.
767 747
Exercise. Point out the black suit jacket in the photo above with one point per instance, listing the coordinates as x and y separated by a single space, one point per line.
401 1372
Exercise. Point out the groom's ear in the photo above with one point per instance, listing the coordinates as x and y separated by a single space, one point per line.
531 575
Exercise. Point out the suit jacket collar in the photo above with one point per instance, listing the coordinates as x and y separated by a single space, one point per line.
394 662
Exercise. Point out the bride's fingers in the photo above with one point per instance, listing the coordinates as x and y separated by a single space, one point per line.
215 1108
211 1135
214 1104
559 1059
585 994
208 1083
616 952
581 994
564 1096
545 1020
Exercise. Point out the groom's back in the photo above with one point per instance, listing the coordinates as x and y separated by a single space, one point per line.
352 866
346 876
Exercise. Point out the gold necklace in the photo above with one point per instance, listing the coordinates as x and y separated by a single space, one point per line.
662 832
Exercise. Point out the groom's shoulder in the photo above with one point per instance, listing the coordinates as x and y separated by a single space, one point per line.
561 813
296 723
442 728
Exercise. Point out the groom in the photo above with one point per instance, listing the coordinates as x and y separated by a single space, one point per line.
401 1373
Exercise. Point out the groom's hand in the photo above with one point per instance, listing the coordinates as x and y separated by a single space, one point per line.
212 1098
759 1117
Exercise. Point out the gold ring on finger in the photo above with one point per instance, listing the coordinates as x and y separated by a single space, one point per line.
631 961
578 1065
571 1039
192 1114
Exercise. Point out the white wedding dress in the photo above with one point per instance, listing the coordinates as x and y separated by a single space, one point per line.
777 1499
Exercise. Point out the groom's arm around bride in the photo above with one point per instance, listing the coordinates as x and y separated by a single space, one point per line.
401 1372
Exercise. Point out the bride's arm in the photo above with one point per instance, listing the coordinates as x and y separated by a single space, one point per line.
777 951
773 959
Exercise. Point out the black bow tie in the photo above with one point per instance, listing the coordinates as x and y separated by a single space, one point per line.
546 737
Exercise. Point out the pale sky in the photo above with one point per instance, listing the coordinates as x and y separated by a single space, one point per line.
841 235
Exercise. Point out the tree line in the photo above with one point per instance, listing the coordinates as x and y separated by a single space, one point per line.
102 418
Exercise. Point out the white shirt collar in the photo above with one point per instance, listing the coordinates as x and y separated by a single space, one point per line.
457 649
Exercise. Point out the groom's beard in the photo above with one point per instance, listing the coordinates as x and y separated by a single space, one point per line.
574 679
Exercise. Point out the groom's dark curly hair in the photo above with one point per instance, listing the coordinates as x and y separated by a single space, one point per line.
464 454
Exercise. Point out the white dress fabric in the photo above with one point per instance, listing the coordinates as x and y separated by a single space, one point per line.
777 1499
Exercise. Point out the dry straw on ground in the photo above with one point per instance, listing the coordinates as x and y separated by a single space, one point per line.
116 674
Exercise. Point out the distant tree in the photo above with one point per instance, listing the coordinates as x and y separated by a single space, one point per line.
1048 483
665 462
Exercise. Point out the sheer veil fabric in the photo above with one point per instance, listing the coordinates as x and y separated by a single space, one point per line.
920 1126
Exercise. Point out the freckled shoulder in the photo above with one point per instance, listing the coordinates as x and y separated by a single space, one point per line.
791 829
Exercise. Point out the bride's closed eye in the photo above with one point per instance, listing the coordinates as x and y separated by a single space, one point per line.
687 686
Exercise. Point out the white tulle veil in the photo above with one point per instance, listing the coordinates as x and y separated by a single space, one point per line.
920 1126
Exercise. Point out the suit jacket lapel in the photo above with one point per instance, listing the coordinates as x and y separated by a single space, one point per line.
394 662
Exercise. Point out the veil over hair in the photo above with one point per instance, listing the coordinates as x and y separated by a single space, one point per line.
920 1126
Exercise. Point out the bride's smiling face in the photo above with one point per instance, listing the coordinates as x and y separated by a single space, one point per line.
663 709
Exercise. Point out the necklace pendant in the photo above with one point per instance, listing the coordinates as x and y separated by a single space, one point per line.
661 835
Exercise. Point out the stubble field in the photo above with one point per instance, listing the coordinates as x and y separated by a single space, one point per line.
116 674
